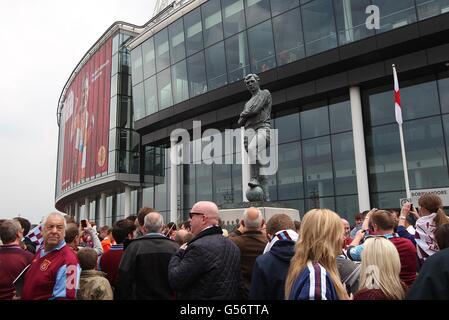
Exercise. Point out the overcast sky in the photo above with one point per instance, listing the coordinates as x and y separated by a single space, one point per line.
42 42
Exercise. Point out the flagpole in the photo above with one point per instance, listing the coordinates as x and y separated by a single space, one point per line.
404 163
398 113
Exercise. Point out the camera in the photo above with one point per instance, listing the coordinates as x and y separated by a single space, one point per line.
84 223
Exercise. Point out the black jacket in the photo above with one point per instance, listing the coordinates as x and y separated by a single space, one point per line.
209 268
270 271
433 279
143 270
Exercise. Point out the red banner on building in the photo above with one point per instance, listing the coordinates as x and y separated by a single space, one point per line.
85 117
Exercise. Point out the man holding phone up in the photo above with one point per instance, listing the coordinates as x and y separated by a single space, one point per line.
407 220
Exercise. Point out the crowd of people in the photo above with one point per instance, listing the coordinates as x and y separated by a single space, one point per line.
388 255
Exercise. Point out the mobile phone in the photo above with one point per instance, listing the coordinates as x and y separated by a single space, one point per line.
83 223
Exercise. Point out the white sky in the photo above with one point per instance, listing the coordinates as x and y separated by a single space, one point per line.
42 41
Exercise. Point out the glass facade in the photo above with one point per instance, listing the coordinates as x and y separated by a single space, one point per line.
314 168
316 165
425 138
124 142
223 40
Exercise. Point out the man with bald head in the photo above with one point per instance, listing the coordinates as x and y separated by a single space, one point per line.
143 270
208 266
54 272
251 244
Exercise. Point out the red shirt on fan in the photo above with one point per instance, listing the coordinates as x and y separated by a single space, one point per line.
110 261
13 259
52 275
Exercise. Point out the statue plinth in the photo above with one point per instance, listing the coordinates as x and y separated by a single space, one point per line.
231 217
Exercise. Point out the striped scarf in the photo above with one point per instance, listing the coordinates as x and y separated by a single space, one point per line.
281 235
424 236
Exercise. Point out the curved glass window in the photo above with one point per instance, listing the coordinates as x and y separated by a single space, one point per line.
216 66
164 86
279 6
319 26
288 37
213 29
351 20
261 47
149 67
137 71
233 17
197 74
395 14
151 101
430 8
180 82
193 31
138 101
237 57
257 11
176 35
162 51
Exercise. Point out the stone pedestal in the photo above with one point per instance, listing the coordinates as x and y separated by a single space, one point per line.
232 217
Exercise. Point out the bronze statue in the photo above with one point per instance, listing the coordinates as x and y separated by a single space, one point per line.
256 116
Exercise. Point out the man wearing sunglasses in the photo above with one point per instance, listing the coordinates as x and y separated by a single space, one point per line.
208 266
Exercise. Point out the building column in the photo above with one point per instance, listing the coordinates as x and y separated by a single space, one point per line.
77 212
245 165
127 201
359 149
86 214
102 210
173 180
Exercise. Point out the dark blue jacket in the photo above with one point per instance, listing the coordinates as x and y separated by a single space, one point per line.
433 279
270 271
209 268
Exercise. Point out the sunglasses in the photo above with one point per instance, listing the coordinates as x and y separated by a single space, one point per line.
191 214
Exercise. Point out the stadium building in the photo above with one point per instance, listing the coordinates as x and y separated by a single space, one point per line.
328 66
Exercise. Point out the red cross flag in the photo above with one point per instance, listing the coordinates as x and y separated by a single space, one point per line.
397 98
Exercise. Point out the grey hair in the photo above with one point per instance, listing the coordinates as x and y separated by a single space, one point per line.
152 223
248 76
59 214
252 224
8 231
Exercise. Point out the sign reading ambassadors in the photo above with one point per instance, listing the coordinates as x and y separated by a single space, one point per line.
85 117
443 193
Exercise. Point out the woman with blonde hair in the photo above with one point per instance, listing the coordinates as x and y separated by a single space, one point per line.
313 273
379 274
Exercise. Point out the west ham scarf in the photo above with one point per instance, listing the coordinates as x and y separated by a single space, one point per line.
424 236
281 235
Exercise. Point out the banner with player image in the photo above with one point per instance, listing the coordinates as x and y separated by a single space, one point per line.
85 117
